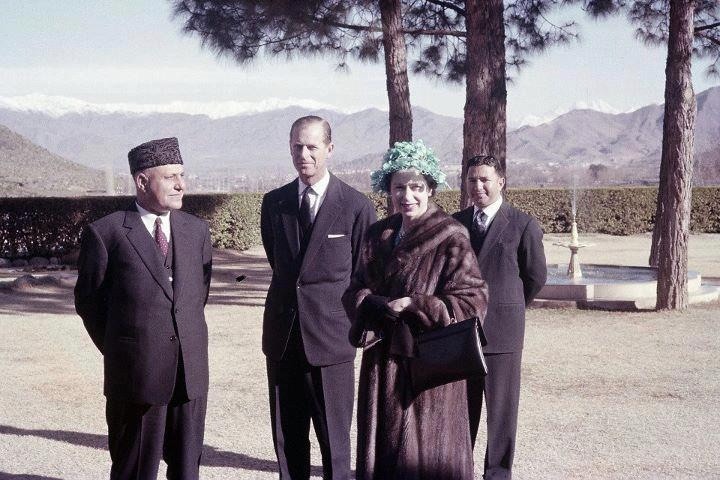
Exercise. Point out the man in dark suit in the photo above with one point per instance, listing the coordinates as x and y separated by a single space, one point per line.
312 230
508 244
143 281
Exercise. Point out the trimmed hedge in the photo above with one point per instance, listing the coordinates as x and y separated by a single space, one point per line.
234 218
52 226
49 226
614 211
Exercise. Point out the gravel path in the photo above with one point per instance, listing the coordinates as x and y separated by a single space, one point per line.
605 395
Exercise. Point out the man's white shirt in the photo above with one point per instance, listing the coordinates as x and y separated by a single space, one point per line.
490 211
316 194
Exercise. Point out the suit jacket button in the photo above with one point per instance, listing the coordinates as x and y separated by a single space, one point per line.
177 310
173 338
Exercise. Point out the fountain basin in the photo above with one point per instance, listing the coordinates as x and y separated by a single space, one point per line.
614 287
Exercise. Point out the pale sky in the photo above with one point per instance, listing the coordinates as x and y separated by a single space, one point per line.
131 51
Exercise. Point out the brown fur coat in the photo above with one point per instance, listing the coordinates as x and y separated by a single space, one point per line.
401 435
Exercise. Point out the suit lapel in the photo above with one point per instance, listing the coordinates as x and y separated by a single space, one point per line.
289 210
182 246
466 217
329 210
493 234
144 245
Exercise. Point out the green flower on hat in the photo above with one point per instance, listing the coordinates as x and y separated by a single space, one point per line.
405 156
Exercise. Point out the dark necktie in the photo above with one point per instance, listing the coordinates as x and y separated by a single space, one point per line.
305 219
305 216
479 223
160 238
477 235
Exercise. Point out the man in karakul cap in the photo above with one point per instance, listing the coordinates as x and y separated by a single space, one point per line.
143 281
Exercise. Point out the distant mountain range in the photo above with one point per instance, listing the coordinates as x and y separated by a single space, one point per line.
29 170
600 147
629 140
622 148
241 143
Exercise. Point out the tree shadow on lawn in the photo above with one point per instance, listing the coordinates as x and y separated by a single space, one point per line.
25 476
46 292
56 301
212 457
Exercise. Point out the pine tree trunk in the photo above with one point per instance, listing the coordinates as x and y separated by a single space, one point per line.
675 189
486 93
396 75
657 231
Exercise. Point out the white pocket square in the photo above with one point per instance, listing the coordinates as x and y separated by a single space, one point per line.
335 235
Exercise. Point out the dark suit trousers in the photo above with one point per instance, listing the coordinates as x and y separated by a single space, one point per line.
300 392
140 435
501 388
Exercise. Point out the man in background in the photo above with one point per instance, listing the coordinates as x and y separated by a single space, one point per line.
312 230
508 244
143 281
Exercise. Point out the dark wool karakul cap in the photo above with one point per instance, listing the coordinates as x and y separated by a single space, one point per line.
164 151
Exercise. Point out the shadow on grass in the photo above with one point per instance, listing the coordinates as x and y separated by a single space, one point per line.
25 476
212 457
82 439
56 300
228 265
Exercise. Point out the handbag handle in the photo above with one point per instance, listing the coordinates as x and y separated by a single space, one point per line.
453 319
450 309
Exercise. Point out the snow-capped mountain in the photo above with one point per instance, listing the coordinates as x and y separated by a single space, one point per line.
57 106
596 105
254 143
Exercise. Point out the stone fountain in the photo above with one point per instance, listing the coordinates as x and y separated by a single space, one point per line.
574 270
608 287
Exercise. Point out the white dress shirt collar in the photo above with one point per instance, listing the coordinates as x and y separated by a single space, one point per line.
319 187
491 210
148 219
319 191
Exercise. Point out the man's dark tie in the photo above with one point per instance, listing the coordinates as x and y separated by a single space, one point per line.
480 219
160 238
305 219
477 235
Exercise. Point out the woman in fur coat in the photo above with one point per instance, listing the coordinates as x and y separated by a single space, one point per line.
417 272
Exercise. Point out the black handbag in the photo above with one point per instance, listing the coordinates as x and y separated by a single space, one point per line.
447 355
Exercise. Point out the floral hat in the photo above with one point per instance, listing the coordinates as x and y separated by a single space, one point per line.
404 156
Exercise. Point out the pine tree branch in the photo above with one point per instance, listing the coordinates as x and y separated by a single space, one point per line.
706 27
347 26
709 38
449 6
364 28
436 33
558 27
